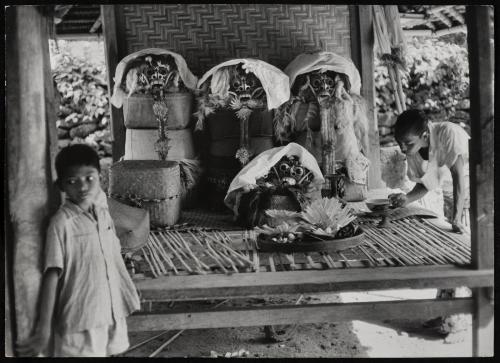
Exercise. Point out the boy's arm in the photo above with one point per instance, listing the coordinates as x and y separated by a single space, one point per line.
458 176
39 340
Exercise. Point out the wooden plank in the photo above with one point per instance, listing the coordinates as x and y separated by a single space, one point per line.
362 43
309 281
96 25
113 53
481 148
298 314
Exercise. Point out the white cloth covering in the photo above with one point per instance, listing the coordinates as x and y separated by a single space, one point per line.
260 166
324 61
119 94
447 141
274 81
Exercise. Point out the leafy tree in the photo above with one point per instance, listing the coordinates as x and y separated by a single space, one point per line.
436 79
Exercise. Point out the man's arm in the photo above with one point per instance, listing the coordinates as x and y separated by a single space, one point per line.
418 191
401 199
458 176
39 340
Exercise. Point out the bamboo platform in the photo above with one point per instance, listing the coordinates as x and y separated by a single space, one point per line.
210 247
205 258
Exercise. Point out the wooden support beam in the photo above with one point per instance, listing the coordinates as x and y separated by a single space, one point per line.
114 53
443 18
60 12
479 40
30 130
456 15
298 314
96 25
438 9
194 287
453 30
362 43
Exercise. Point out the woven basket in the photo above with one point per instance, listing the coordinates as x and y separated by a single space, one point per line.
139 144
138 111
150 184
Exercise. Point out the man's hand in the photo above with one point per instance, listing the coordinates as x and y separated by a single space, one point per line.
35 344
398 199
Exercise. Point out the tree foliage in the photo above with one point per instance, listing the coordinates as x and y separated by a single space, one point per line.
79 74
436 79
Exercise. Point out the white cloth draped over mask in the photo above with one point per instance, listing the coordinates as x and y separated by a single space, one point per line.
324 61
185 74
260 166
273 80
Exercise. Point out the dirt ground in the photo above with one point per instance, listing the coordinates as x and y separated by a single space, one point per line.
390 338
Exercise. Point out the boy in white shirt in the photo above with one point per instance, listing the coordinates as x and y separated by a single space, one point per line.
86 290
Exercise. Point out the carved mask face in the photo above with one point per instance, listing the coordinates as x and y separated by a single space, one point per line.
322 84
158 74
245 86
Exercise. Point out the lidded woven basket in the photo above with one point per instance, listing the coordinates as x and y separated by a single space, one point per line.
154 185
138 111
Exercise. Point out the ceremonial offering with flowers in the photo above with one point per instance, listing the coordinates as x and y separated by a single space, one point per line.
325 224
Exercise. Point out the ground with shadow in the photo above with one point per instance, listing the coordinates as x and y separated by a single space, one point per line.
389 338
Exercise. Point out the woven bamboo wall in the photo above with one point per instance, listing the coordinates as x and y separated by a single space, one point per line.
207 34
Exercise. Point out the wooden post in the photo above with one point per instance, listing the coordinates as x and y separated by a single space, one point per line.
30 119
362 43
481 148
113 53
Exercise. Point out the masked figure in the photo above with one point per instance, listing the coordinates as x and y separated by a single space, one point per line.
235 118
326 115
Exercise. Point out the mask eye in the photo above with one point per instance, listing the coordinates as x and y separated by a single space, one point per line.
297 171
329 81
284 167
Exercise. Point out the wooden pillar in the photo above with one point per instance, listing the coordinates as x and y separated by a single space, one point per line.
30 128
114 52
362 43
481 148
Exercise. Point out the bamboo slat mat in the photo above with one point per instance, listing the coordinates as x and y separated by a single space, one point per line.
193 249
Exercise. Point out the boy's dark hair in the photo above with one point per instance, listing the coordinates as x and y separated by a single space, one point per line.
76 155
410 122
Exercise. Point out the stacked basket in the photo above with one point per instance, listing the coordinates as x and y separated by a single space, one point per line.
154 87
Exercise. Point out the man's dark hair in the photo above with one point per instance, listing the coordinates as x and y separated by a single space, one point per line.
76 155
410 122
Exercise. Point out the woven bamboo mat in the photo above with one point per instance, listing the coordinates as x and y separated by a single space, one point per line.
192 249
202 219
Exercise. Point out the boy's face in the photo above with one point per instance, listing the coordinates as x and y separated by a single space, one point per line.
81 184
410 143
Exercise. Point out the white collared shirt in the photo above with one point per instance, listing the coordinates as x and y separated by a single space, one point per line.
94 285
447 141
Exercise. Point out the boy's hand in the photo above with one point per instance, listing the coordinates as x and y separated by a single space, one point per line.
398 199
456 226
35 344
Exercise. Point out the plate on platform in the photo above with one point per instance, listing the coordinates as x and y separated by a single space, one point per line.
310 243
